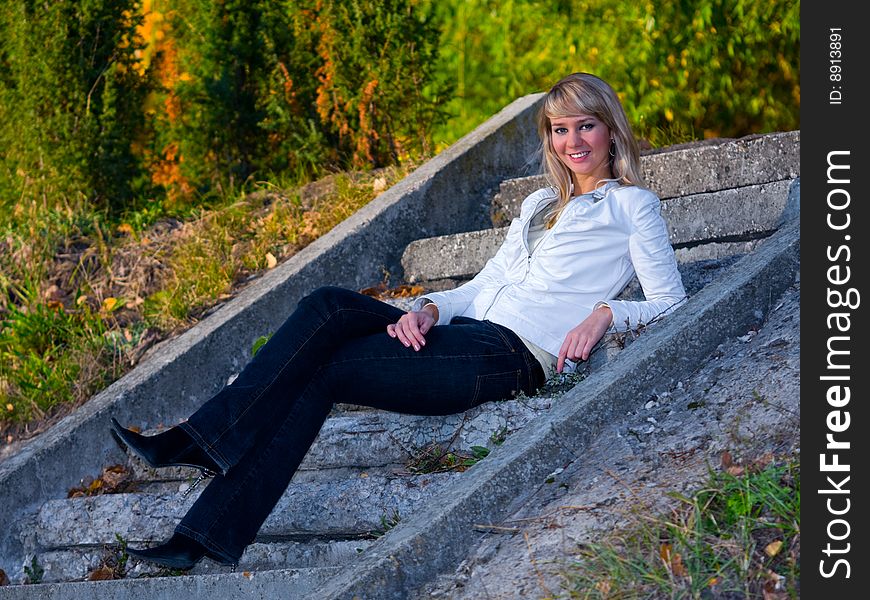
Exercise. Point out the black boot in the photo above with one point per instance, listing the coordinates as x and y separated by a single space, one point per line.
180 552
171 448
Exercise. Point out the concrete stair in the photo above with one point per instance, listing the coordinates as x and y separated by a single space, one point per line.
362 476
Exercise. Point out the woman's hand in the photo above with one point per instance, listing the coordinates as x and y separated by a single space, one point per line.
413 326
580 340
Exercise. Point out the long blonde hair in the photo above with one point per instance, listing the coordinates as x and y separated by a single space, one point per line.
583 93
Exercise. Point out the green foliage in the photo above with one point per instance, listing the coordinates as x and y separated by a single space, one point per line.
34 572
713 67
43 353
259 343
70 101
376 90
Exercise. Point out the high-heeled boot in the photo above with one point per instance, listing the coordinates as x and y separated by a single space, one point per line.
179 552
171 448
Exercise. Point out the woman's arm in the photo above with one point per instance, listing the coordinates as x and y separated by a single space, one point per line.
654 263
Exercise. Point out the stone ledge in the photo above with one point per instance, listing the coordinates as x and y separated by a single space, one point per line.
693 220
704 167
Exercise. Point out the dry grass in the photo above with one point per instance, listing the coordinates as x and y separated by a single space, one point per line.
82 297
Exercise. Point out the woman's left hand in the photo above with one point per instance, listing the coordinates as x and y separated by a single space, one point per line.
580 340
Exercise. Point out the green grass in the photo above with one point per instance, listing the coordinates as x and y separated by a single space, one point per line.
738 537
83 294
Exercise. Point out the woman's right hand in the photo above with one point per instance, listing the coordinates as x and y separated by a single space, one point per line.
412 327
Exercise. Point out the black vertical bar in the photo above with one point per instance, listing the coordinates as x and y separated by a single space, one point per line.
834 231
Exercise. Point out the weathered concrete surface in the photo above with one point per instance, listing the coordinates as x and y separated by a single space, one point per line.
242 585
449 193
744 398
404 560
710 217
75 564
346 508
687 169
377 439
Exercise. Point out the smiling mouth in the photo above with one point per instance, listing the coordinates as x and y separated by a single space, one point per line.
579 154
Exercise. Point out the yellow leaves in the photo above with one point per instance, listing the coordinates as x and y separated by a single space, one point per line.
10 407
112 480
669 114
672 560
271 261
125 229
109 304
401 291
773 548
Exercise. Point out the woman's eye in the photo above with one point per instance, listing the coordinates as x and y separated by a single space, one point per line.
587 126
560 130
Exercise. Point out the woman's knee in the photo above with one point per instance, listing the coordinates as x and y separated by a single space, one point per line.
329 295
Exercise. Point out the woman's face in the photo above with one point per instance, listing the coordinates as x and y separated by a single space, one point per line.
582 143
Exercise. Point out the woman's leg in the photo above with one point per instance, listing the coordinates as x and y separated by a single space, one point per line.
232 421
462 365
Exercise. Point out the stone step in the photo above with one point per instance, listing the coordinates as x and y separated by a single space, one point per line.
333 510
724 216
78 564
239 585
372 440
687 169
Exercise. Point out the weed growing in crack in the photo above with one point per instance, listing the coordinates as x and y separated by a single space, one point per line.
387 523
434 458
34 572
498 436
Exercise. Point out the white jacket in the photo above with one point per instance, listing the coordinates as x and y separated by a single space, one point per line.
598 243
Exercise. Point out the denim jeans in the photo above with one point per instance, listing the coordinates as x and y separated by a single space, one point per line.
334 348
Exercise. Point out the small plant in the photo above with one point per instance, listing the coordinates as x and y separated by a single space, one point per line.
498 436
436 459
114 562
259 343
387 523
34 572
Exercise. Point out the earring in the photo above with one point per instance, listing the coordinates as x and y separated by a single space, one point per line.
612 148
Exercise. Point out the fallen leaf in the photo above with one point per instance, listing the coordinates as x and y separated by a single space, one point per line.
109 303
603 587
672 560
773 548
271 261
735 471
375 291
101 574
10 407
726 459
713 582
125 228
4 578
379 185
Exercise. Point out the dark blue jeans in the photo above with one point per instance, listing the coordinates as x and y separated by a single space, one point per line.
334 348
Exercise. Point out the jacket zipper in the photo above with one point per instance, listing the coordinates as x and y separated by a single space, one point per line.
524 239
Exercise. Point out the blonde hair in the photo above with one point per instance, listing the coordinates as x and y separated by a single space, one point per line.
583 93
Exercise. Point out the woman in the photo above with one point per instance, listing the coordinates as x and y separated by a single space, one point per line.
543 301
